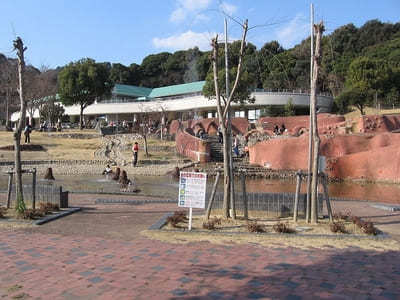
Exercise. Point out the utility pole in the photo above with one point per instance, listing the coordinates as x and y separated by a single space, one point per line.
19 46
232 189
310 132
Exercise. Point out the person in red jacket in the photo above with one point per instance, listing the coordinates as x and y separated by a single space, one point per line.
135 150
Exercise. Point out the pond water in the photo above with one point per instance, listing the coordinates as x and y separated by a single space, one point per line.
167 187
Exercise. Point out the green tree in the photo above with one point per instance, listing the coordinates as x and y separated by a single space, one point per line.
289 108
51 111
83 82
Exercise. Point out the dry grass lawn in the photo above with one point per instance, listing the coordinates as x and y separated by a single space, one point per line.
318 236
57 148
275 241
354 115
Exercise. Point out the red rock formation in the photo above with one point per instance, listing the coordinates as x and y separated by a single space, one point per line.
192 147
372 157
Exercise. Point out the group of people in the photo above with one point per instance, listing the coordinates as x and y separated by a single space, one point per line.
126 184
279 131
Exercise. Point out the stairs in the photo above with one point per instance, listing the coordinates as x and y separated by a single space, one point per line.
217 153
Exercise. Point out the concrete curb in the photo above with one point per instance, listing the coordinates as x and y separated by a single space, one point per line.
132 202
160 223
57 216
391 208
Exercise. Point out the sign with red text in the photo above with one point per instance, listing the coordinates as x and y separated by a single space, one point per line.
192 189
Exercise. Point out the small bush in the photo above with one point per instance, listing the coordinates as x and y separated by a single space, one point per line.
210 224
338 227
3 212
176 218
282 228
254 227
20 208
31 214
46 208
369 228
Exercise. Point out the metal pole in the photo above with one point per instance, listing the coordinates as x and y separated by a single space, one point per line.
310 138
190 218
34 188
232 188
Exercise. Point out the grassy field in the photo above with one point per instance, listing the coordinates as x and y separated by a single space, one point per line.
56 147
64 148
355 114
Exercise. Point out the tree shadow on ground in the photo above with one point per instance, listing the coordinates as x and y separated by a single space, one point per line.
342 274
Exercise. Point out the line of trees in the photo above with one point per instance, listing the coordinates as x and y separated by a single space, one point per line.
359 65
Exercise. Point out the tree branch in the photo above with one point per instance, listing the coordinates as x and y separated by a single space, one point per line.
242 45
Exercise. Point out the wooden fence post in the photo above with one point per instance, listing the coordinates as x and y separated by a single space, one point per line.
296 198
10 181
211 200
245 208
326 196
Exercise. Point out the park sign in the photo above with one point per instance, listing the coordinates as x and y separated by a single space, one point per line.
192 192
192 189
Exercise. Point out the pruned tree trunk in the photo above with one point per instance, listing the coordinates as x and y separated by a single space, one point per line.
223 114
318 29
19 46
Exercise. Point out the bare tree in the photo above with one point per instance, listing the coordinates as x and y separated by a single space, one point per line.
223 107
318 30
8 83
19 47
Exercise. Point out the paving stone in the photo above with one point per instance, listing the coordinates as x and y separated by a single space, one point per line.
96 279
179 292
185 279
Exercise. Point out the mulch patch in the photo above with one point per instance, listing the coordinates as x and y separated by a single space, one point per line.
24 147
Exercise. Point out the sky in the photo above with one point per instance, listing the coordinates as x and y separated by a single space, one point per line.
57 32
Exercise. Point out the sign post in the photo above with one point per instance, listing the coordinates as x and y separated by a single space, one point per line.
192 191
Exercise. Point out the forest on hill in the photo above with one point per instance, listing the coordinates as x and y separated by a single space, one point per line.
359 65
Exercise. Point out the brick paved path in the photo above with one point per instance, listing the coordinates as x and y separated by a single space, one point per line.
51 266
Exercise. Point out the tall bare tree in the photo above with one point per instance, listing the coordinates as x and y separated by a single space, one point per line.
318 30
223 107
20 48
8 83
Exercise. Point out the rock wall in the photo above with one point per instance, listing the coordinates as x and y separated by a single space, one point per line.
370 157
327 123
192 147
378 123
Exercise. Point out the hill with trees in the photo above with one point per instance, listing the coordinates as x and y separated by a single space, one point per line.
359 67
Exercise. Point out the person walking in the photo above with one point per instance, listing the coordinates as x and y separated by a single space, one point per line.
27 133
135 150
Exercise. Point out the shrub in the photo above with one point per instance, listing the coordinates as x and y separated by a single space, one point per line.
3 211
210 225
31 214
338 227
20 208
48 207
369 228
282 228
176 218
254 227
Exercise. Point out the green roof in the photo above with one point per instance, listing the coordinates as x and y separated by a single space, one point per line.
178 89
131 90
171 90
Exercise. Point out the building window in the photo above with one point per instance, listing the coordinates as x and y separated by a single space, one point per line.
240 114
254 115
